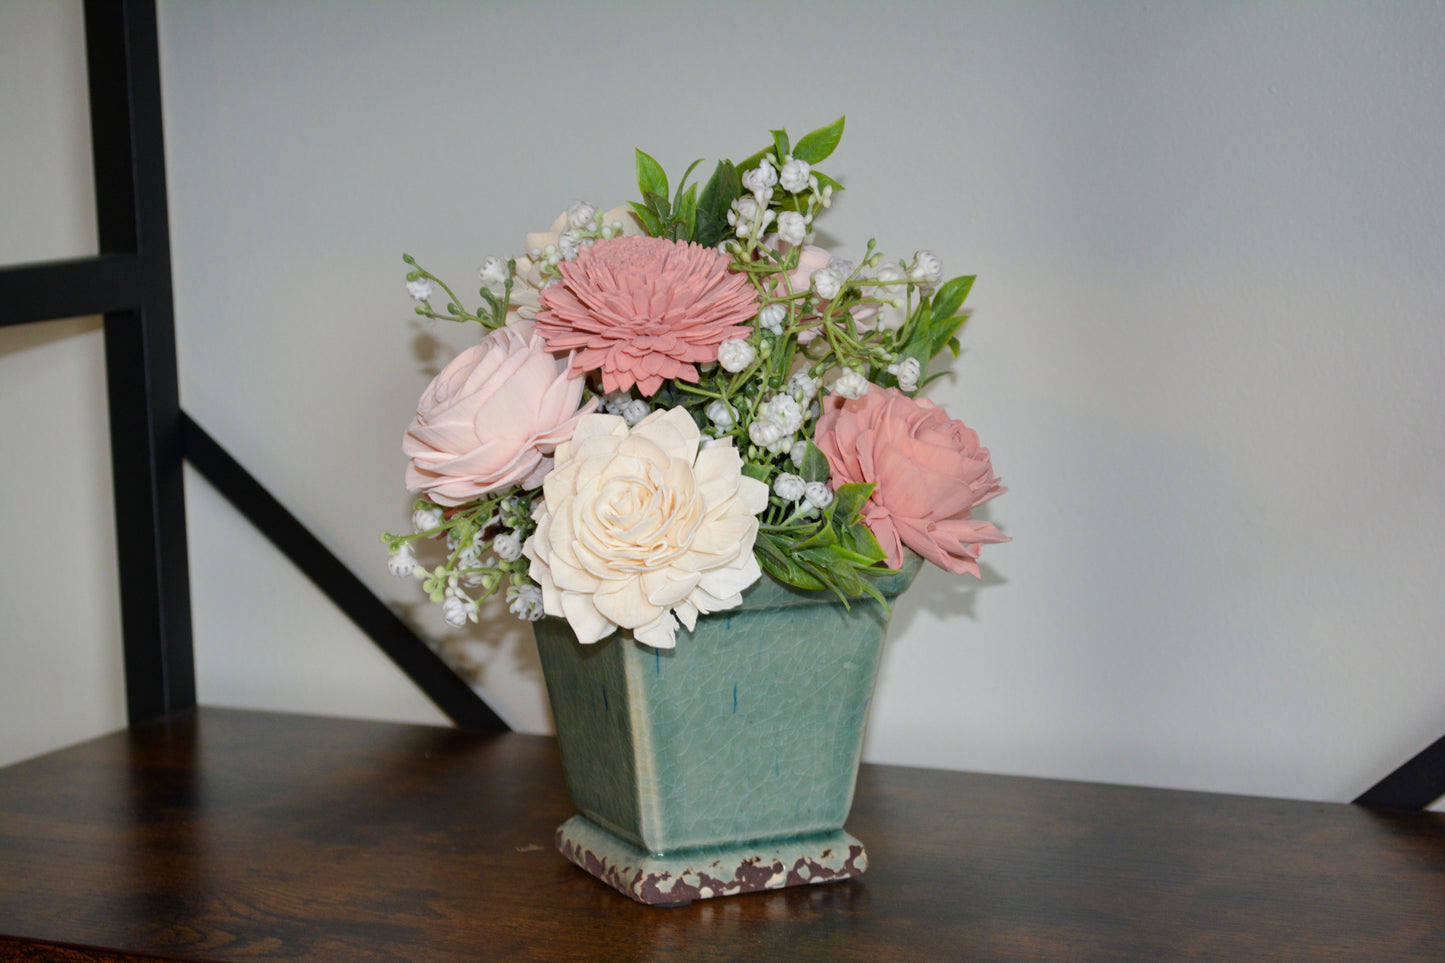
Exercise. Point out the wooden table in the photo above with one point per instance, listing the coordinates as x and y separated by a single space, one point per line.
226 835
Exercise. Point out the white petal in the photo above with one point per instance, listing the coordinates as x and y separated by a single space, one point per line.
753 493
660 634
624 603
584 618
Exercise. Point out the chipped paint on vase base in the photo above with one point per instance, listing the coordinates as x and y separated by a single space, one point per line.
725 765
671 879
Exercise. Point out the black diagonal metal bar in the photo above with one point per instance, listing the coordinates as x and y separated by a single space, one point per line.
413 656
1415 785
123 61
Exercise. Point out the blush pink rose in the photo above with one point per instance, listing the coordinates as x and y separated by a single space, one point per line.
492 419
929 470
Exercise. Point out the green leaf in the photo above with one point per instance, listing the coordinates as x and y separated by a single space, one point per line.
755 470
651 179
782 565
816 146
658 205
650 221
849 499
822 537
944 332
677 198
825 181
815 464
724 187
686 217
780 144
951 296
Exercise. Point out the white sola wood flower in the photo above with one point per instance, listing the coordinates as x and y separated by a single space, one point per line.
640 528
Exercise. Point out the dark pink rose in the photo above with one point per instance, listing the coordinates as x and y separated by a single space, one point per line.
929 470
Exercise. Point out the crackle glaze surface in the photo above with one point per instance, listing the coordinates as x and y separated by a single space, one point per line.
749 730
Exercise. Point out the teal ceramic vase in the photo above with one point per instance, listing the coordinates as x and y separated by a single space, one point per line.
725 765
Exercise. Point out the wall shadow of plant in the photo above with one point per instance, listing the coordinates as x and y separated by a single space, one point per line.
495 650
430 352
945 595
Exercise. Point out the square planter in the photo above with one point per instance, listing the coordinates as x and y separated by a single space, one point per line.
725 765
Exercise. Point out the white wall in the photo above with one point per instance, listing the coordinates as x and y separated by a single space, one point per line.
1206 353
60 654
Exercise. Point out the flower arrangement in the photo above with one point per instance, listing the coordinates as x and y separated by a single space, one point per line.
676 396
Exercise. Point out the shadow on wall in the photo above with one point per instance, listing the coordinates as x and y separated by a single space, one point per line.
497 649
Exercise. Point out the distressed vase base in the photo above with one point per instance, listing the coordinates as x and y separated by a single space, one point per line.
725 870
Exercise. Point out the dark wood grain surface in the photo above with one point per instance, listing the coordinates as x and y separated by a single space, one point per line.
229 835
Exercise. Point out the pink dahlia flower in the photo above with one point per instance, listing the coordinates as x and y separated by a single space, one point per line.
492 419
643 310
930 473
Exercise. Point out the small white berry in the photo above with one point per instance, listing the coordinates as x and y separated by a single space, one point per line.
722 414
792 227
772 317
425 519
827 282
818 494
507 546
789 487
735 354
794 176
850 384
634 411
402 561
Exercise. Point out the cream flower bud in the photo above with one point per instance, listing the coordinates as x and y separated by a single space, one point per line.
789 487
735 354
850 384
744 210
891 273
525 602
493 273
797 453
766 433
927 269
614 401
785 411
760 178
722 414
470 557
827 282
772 317
402 562
581 216
420 289
634 411
818 494
568 244
802 387
507 546
425 519
792 227
907 371
456 611
794 176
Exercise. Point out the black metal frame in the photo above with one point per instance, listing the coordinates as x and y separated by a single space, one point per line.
129 283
